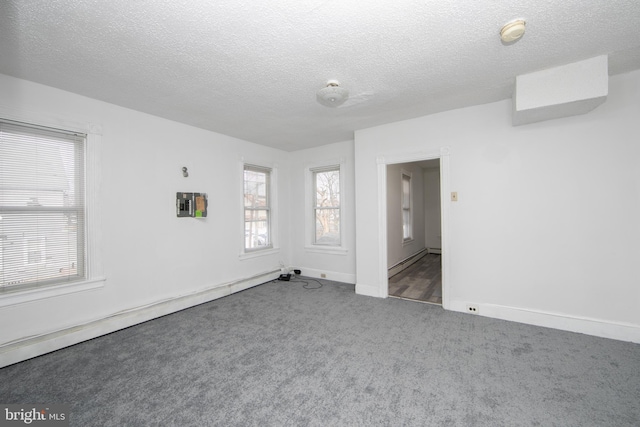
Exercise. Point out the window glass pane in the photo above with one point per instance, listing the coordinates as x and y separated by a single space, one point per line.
257 221
35 171
326 193
256 188
406 224
256 228
406 192
406 207
327 185
39 247
327 226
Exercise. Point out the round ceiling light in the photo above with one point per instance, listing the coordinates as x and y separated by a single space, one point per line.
332 95
512 31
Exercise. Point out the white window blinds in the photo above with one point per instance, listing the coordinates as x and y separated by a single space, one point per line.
42 208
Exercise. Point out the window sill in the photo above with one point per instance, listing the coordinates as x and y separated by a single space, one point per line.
407 242
10 297
258 253
333 250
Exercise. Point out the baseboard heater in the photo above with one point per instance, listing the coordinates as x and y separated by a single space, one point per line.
406 263
28 347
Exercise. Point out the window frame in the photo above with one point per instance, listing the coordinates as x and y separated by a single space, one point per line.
27 137
309 244
93 263
315 208
271 246
406 206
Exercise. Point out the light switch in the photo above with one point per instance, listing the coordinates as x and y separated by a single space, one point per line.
454 196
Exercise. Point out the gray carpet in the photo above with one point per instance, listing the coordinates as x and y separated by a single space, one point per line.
282 355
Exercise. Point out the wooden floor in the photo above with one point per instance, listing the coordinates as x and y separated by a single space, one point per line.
421 282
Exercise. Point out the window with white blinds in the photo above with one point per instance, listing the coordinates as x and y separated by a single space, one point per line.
42 206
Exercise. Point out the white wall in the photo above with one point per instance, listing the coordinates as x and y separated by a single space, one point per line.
339 265
397 249
546 228
432 228
545 231
149 254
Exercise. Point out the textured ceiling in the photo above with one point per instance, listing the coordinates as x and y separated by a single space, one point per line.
250 69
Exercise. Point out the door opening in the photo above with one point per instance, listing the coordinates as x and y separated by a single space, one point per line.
414 237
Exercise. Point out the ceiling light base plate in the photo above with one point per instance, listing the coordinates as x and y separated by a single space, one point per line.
332 95
512 31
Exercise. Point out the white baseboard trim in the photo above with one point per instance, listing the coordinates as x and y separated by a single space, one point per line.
18 351
329 275
584 325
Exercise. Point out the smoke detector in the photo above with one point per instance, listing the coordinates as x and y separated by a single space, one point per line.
332 95
512 31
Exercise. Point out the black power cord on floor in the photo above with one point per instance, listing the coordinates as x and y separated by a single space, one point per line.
306 284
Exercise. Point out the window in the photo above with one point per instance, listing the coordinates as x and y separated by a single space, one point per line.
407 220
326 205
257 208
42 206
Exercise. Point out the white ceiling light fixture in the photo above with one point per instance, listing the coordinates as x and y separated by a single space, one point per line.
512 31
332 95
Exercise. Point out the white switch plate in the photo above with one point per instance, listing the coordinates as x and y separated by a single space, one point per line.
454 196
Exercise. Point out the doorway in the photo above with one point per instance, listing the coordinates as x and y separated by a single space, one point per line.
414 237
381 282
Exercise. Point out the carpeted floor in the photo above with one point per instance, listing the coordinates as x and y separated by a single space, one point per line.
282 355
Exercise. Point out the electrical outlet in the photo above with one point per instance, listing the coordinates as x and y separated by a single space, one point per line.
454 196
323 276
473 309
